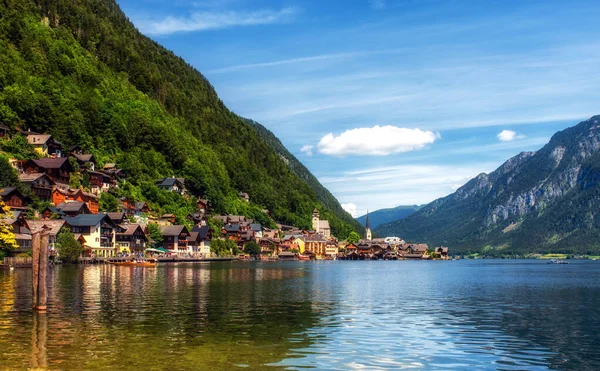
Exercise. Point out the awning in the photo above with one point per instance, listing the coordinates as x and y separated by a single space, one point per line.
160 250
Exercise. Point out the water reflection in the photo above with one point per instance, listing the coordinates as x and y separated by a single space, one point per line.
328 315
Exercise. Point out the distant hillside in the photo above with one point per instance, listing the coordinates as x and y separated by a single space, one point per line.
79 70
544 201
378 217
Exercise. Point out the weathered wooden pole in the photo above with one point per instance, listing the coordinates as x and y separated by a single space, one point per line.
35 266
43 275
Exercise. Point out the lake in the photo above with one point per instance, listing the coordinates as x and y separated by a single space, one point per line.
369 315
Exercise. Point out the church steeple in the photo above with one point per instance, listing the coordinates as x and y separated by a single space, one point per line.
368 235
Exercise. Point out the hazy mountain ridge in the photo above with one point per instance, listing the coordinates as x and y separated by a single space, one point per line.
542 201
383 216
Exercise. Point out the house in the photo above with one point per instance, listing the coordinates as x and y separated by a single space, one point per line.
58 169
232 232
244 196
198 218
52 212
442 252
331 250
97 232
53 228
14 198
315 245
415 251
91 200
166 219
16 219
73 208
40 184
257 229
172 184
175 238
86 161
111 169
45 145
133 208
320 226
4 130
100 182
199 240
131 239
202 205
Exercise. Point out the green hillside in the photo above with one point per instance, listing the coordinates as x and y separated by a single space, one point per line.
80 71
547 201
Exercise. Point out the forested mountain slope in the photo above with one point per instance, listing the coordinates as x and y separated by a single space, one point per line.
535 202
80 71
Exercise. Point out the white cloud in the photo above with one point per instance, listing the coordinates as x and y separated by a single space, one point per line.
509 135
307 149
376 141
214 20
351 209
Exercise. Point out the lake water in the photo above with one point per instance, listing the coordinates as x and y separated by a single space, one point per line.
369 315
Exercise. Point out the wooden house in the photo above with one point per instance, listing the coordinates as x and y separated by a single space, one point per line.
14 198
58 169
131 239
45 144
175 238
40 184
97 232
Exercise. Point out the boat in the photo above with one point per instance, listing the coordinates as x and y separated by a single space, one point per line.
554 261
136 263
303 257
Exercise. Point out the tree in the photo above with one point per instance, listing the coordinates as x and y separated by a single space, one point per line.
69 249
353 237
8 175
155 235
8 240
252 248
109 202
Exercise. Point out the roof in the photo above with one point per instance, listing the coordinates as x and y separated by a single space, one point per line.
117 215
8 190
130 229
84 157
54 225
109 165
51 163
140 205
169 182
38 138
172 230
71 206
87 220
32 177
231 227
202 230
236 218
54 210
256 227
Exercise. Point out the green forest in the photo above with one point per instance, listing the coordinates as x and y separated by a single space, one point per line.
79 70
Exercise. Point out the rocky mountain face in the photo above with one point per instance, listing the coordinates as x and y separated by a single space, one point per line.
536 201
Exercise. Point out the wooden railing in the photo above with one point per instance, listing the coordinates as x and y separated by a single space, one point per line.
18 261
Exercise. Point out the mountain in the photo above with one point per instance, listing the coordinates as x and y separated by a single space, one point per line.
383 216
79 70
544 201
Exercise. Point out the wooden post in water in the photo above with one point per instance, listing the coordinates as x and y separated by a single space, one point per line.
43 275
39 267
35 266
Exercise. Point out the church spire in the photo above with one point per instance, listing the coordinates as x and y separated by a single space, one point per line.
368 235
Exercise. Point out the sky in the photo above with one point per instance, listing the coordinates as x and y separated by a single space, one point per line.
392 102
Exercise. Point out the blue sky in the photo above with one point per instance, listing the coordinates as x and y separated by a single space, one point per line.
392 102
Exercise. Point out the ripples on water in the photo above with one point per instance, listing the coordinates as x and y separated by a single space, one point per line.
507 315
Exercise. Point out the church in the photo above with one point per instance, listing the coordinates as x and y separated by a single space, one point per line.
320 226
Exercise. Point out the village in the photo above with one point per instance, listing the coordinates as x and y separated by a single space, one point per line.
127 232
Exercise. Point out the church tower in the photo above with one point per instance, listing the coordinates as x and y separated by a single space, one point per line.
368 235
315 221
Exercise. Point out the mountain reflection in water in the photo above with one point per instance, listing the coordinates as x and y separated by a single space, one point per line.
510 315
